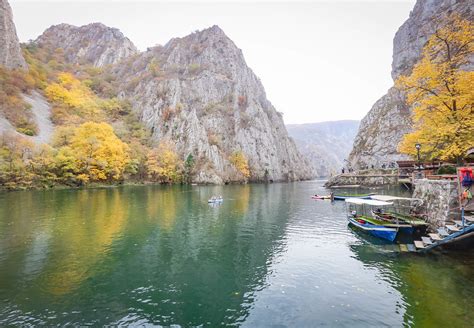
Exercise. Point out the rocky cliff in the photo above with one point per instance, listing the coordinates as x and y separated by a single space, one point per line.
380 132
199 93
327 144
389 119
94 44
10 51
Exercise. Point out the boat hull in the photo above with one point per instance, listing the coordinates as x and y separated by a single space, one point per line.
375 230
215 201
342 197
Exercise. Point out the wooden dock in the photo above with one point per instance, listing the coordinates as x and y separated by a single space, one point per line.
447 235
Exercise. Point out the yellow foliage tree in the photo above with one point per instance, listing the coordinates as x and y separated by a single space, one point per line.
239 160
15 160
94 153
163 164
74 101
441 93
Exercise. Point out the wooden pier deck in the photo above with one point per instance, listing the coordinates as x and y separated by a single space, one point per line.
445 236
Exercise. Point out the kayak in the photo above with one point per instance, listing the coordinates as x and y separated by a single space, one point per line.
218 200
321 197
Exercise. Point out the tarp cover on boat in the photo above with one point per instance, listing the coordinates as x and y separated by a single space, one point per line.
372 202
388 198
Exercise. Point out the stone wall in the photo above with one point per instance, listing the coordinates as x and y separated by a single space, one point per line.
364 178
439 201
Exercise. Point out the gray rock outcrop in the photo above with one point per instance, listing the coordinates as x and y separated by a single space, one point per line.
199 93
389 120
364 178
94 44
10 51
41 110
380 132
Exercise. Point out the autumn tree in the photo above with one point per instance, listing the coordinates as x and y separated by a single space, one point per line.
440 90
13 107
94 153
15 157
240 162
163 164
73 101
188 168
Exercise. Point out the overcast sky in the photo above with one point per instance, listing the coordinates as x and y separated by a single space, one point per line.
318 60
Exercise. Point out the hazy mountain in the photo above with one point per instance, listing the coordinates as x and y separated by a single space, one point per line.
325 144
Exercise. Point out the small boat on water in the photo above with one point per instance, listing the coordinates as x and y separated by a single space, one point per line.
214 200
415 223
376 227
411 221
358 196
321 197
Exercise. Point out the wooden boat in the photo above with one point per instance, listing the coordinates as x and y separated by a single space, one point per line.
374 227
414 222
359 196
406 223
380 228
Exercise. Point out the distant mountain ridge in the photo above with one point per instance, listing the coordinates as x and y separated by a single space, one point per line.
94 43
325 144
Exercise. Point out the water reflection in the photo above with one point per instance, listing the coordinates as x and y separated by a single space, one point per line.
268 255
156 254
436 289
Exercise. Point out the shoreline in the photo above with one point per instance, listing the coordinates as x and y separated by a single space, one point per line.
145 183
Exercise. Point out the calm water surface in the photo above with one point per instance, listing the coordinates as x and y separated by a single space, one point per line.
268 256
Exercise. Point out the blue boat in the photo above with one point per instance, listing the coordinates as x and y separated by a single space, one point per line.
344 197
374 226
376 230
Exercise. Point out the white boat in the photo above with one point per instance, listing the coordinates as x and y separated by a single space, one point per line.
215 200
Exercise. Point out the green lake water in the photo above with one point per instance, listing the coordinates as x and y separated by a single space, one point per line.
268 256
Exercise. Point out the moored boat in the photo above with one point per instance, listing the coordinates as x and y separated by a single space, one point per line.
358 196
416 223
374 229
374 226
412 222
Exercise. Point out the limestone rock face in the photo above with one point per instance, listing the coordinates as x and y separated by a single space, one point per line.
94 44
380 132
377 144
198 93
10 51
424 20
